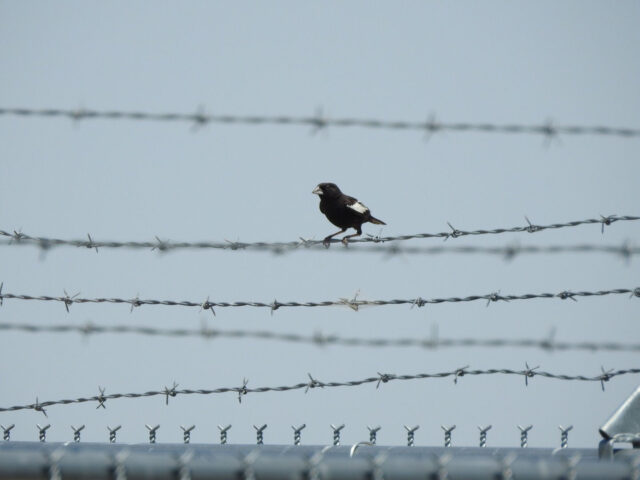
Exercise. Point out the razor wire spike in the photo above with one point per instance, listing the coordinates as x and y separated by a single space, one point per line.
606 221
90 244
6 432
17 235
200 118
88 328
431 126
161 246
411 434
242 390
384 378
549 342
275 306
524 435
447 434
152 432
68 300
494 297
42 432
605 377
459 373
318 121
187 433
313 383
170 392
223 433
531 228
101 398
39 408
306 243
483 435
351 303
567 294
207 305
112 433
76 433
336 433
419 302
625 251
455 233
373 434
296 433
549 131
564 435
319 338
135 302
260 434
78 114
376 238
529 373
510 251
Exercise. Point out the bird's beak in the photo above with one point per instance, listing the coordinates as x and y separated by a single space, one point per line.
317 190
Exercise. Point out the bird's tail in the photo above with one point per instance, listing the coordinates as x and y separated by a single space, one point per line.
376 221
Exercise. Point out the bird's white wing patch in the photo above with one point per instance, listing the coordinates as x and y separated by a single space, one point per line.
359 207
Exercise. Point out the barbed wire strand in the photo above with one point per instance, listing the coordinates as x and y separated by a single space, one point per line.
528 373
507 252
319 121
353 303
18 237
319 339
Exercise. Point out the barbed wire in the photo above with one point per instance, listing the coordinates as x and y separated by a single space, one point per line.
319 339
528 373
17 238
319 121
507 252
353 303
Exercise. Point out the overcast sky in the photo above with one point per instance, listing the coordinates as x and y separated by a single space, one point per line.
571 63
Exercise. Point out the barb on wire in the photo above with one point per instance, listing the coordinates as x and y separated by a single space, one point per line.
245 390
319 121
18 238
354 304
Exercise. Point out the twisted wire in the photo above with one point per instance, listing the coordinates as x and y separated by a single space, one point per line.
320 339
18 238
353 303
244 390
319 121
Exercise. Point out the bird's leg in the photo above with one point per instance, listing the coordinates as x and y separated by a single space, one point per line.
345 240
326 241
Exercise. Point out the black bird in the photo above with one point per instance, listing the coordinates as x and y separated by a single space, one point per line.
343 211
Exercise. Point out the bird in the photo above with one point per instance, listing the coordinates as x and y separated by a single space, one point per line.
343 211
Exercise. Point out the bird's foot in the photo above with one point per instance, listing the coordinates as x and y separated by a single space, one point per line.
345 241
326 242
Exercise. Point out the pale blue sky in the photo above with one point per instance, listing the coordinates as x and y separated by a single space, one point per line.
573 62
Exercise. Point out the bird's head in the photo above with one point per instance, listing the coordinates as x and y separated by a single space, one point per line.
329 190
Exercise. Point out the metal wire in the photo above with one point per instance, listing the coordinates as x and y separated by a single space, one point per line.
45 243
319 121
320 339
353 303
312 383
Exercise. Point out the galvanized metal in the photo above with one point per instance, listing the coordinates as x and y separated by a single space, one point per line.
70 461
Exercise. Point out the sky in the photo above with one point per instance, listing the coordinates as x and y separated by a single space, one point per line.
498 62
